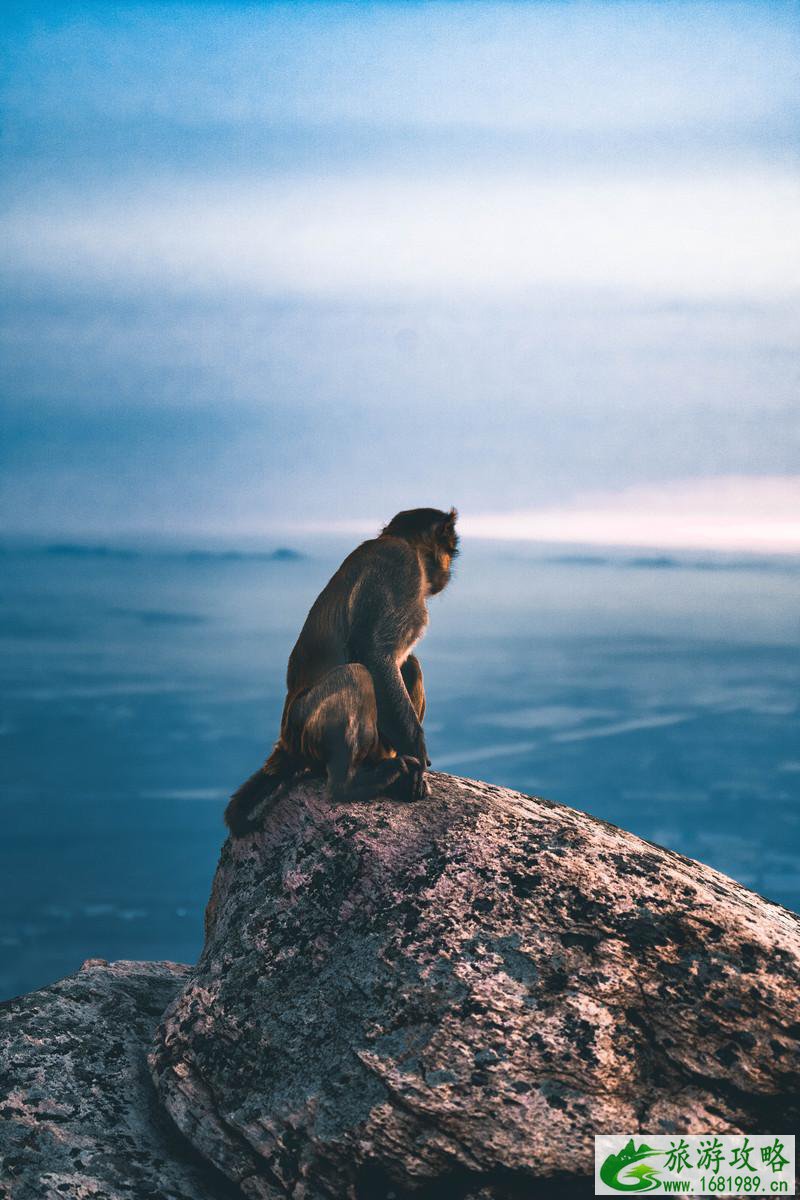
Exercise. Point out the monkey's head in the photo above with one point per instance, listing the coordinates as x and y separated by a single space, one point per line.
433 532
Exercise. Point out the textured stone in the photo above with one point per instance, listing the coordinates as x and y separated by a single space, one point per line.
78 1114
448 999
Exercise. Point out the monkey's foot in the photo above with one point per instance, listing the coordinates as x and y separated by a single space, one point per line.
400 778
410 784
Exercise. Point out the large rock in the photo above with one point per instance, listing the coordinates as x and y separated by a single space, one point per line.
78 1114
449 999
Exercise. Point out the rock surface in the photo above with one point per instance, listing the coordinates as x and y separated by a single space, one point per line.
449 999
78 1114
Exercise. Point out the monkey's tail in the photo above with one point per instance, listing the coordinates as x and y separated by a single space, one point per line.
240 815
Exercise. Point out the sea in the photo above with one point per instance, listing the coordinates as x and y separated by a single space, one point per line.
143 681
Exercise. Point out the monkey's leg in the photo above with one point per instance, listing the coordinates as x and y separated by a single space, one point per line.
340 730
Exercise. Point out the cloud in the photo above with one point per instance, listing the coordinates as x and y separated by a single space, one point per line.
729 513
500 66
553 247
722 235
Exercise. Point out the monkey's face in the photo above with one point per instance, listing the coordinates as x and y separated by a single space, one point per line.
446 535
439 574
445 550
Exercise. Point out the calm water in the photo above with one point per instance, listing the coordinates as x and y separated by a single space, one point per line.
139 688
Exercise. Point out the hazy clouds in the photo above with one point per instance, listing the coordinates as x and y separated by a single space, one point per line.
310 261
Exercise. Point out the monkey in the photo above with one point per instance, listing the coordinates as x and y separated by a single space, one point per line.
355 697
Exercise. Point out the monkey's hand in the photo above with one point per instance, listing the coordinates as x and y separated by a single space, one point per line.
418 785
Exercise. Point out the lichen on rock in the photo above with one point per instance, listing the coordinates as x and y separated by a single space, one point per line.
449 999
79 1119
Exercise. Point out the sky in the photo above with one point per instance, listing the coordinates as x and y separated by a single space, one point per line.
304 265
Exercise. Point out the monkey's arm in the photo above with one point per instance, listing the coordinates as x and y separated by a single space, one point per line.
415 685
398 723
388 619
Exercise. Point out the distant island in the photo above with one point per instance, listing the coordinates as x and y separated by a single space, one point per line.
78 550
661 562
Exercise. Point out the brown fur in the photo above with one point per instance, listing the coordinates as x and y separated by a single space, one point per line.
355 695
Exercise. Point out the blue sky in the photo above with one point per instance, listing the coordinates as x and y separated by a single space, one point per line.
312 263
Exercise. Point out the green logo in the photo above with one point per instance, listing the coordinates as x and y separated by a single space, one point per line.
639 1178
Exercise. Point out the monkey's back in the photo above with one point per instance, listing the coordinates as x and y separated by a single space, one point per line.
380 579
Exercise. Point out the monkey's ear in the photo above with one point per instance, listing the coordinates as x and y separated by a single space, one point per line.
446 532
